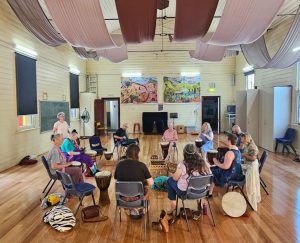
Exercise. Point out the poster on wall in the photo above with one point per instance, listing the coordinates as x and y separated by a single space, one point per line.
138 90
182 89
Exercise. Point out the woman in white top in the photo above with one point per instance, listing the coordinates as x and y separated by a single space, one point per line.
61 126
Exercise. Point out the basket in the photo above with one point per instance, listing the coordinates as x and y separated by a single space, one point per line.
158 170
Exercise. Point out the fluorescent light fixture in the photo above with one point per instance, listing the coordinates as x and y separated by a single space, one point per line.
74 70
190 74
25 51
248 69
131 75
296 49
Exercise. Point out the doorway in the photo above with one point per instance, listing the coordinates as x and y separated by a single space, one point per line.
107 112
211 107
111 114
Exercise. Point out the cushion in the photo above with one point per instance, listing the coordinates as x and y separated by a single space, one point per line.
160 184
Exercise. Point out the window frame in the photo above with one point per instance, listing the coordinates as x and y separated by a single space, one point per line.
247 76
27 127
77 114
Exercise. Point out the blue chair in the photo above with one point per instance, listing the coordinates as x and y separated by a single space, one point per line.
79 190
287 140
130 189
53 177
198 188
95 144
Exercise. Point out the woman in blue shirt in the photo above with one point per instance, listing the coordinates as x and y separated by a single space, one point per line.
72 152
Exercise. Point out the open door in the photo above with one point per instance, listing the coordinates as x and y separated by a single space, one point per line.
211 107
99 111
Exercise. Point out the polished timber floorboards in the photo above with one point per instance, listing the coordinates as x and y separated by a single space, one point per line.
277 219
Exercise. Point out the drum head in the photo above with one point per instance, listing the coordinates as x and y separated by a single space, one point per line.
234 204
90 152
76 163
164 143
212 151
108 152
103 173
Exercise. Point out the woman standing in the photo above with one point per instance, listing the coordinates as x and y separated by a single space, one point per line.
61 126
231 167
207 137
57 160
192 165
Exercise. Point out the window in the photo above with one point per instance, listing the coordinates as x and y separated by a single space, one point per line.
250 80
26 122
74 113
74 90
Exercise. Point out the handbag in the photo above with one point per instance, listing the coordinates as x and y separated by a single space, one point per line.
92 214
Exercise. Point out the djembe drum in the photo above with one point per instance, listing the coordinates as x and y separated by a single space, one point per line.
199 142
165 148
103 182
211 154
221 153
92 154
76 164
108 155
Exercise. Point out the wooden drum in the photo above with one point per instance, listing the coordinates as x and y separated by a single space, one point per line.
103 181
199 143
221 153
212 154
92 154
165 148
108 155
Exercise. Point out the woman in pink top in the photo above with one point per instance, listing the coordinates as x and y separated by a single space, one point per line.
193 165
170 135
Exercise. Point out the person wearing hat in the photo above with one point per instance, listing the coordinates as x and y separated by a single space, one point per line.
122 138
61 126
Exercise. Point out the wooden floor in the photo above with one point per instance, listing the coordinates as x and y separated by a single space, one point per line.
277 219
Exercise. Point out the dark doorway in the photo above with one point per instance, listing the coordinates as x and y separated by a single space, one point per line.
107 112
211 107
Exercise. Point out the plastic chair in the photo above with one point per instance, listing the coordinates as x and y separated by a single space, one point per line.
262 161
198 188
287 140
79 190
130 189
53 177
95 144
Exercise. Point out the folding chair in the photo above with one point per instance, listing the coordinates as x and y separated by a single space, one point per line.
95 144
79 190
198 188
53 177
262 161
130 189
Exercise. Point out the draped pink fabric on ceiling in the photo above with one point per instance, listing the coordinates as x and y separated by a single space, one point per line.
257 54
208 52
34 19
244 21
83 53
114 55
193 18
81 23
162 4
137 19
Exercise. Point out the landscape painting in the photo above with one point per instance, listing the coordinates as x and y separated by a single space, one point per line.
182 89
139 90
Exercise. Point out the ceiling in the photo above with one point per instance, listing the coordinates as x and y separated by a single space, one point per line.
167 25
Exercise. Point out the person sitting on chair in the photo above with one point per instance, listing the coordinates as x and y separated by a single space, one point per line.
207 137
61 126
131 169
193 165
231 168
122 138
72 152
250 150
236 130
170 135
57 160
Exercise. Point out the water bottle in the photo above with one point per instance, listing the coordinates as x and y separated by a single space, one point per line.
204 209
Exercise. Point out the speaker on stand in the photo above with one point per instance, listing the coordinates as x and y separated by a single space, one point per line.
173 116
